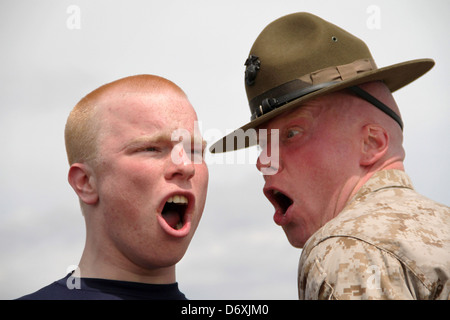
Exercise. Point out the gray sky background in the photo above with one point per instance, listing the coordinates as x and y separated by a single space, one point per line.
238 252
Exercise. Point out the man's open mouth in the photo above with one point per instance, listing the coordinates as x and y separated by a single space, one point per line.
174 211
280 200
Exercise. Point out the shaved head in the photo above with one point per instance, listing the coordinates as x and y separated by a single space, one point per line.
367 113
83 124
124 168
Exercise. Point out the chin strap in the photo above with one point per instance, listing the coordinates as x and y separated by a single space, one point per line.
377 103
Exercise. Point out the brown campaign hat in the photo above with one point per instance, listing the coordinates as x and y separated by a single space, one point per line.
300 57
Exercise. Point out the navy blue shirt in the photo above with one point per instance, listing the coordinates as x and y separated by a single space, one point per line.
70 288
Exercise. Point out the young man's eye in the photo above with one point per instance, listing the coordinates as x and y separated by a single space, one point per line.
151 149
197 155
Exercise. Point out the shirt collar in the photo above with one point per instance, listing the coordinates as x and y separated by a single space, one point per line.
382 180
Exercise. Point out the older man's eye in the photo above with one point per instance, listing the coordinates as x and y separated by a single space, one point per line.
262 143
293 132
197 155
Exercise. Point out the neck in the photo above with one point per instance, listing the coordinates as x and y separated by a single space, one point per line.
102 260
355 183
392 164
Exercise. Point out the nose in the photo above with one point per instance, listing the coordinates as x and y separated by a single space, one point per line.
268 165
260 164
180 165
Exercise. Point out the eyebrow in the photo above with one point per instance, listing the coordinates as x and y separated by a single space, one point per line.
138 141
160 137
197 141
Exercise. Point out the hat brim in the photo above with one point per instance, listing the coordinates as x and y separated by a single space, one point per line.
394 76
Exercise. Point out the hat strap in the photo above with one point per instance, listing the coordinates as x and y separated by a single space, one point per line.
377 103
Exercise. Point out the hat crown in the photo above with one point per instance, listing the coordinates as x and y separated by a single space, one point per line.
297 45
301 57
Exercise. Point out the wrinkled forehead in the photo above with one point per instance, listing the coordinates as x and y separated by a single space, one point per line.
308 111
334 103
322 111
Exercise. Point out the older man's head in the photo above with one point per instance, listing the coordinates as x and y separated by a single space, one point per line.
328 148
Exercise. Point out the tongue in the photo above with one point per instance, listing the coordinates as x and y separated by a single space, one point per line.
172 218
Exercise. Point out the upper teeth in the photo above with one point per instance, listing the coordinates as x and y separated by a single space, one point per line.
178 199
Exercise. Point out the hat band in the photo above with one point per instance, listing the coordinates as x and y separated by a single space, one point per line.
269 104
278 96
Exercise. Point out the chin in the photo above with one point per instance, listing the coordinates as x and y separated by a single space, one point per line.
296 243
162 256
162 261
172 255
297 240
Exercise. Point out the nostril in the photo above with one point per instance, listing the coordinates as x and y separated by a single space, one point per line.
269 166
259 164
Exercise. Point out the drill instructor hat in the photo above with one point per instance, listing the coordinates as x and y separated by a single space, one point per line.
299 57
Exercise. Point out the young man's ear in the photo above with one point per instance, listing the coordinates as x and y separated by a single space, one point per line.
83 183
375 144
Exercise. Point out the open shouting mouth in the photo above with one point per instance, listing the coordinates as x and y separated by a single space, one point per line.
174 211
282 203
176 214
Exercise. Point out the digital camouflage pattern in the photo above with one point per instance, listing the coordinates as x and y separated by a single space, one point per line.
389 242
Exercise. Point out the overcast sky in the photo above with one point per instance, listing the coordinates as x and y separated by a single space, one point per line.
50 59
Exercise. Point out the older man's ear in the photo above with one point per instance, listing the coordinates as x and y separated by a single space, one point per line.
375 144
83 182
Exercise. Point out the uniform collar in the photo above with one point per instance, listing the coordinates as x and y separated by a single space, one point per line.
383 179
380 180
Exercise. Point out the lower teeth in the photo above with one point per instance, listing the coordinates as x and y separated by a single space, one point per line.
173 214
173 219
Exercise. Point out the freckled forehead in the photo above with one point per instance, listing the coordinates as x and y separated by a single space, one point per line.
153 107
129 116
160 101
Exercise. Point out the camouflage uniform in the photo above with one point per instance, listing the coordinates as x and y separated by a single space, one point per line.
388 243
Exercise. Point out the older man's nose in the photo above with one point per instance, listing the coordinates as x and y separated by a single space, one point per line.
268 165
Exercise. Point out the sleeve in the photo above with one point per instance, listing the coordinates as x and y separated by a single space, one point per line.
345 268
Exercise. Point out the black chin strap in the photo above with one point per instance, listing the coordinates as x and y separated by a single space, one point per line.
377 103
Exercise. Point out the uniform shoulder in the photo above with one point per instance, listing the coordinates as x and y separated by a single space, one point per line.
397 221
